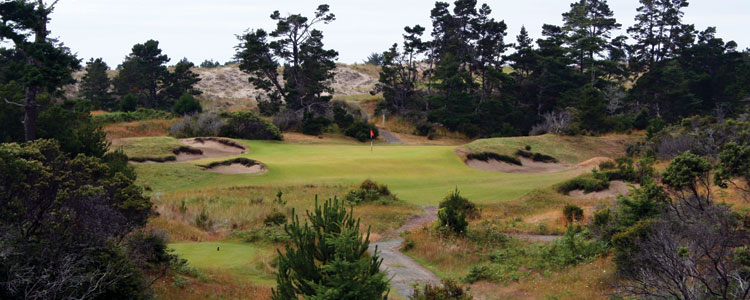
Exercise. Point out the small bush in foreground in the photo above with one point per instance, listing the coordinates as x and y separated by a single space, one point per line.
572 213
486 156
450 290
370 191
585 182
453 211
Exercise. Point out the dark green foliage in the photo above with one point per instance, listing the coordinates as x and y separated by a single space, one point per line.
606 165
375 59
645 203
592 110
149 251
683 171
117 161
453 211
370 192
313 124
187 104
572 213
203 220
486 156
51 213
576 246
269 107
307 67
143 73
153 159
75 131
326 258
209 63
586 183
128 103
654 126
95 85
450 290
360 130
341 117
137 115
240 160
179 82
270 234
246 125
275 218
536 156
734 163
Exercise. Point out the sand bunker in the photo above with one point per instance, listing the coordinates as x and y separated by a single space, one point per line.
616 187
529 166
237 168
239 165
209 147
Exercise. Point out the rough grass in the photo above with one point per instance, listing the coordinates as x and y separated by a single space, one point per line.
571 149
157 127
158 146
212 285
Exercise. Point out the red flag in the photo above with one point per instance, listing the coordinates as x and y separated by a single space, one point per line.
372 134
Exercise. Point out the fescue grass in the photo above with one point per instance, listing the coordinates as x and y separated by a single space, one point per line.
212 285
158 127
158 146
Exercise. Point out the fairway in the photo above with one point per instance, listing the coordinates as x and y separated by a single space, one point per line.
417 174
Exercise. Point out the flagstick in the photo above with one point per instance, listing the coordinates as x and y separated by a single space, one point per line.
370 144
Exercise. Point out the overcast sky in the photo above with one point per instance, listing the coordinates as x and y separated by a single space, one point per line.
206 29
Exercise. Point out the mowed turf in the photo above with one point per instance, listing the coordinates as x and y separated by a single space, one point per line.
241 259
417 174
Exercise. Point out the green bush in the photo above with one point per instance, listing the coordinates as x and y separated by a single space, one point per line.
187 104
453 211
572 213
341 117
360 130
606 165
246 125
536 156
130 116
275 218
586 183
128 103
314 125
486 156
576 246
450 290
370 191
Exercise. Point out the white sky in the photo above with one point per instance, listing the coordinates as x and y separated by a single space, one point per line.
206 29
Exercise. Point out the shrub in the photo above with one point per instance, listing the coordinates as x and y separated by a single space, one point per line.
341 116
486 156
269 107
606 165
585 183
528 148
128 103
576 246
197 125
370 191
360 130
130 116
187 104
203 221
246 125
275 218
450 290
572 213
536 156
314 125
453 211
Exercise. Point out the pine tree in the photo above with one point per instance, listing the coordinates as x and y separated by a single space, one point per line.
143 73
657 32
95 84
180 81
295 44
326 258
589 24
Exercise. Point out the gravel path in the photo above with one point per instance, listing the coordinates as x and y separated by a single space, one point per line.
390 139
403 270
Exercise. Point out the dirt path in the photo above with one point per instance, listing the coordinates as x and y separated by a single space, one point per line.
403 270
390 139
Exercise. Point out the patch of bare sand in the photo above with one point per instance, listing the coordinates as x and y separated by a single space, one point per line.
210 148
594 162
616 187
237 168
528 166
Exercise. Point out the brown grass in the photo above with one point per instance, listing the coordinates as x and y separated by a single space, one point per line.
157 127
446 256
214 285
594 280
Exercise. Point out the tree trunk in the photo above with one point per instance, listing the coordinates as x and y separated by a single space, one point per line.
30 109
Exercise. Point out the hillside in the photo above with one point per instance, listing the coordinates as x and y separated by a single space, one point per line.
227 86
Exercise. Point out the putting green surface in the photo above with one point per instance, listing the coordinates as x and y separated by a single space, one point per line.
417 174
242 259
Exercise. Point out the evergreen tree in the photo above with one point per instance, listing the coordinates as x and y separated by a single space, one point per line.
589 24
143 73
46 64
657 32
95 84
326 258
593 109
180 81
295 44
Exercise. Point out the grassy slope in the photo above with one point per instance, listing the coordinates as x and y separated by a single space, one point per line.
156 146
571 149
417 174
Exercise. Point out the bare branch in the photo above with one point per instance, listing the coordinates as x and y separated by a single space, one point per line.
13 103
